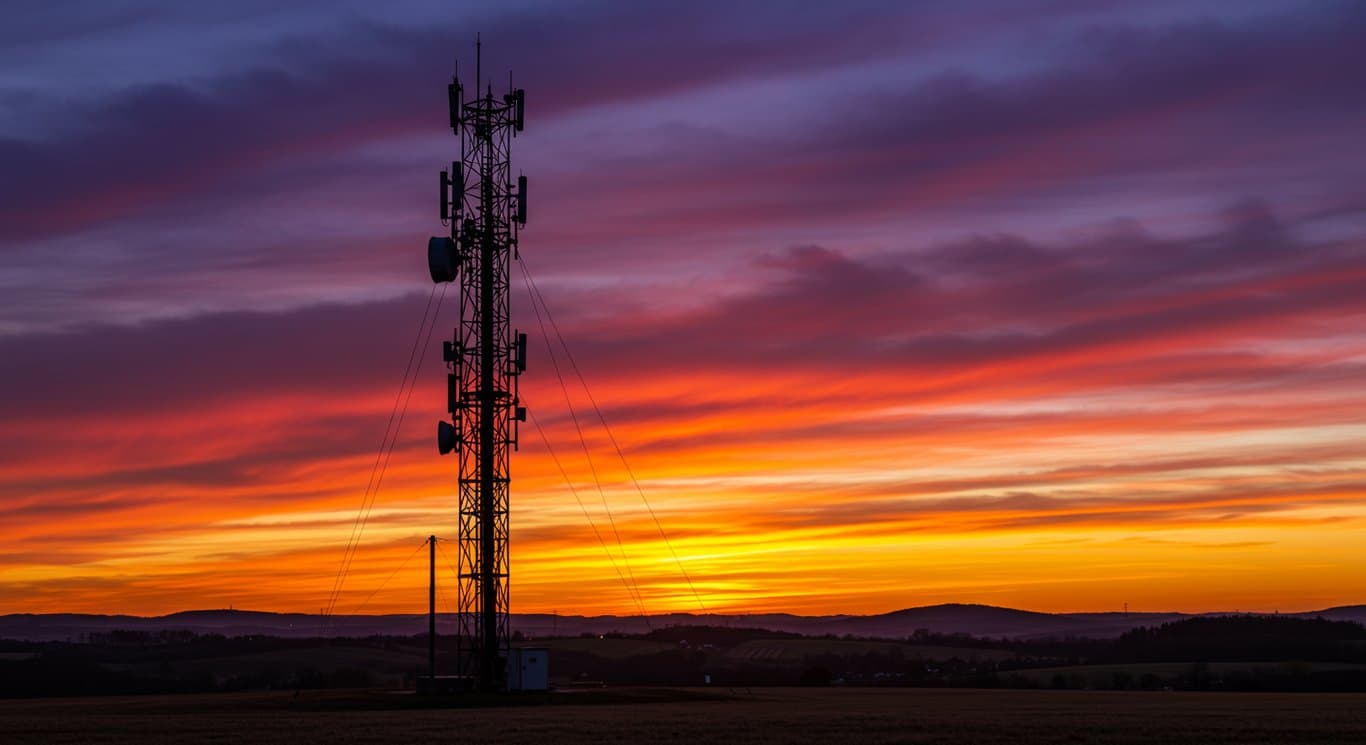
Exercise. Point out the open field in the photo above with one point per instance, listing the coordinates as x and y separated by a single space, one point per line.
796 651
1102 676
780 651
609 648
829 715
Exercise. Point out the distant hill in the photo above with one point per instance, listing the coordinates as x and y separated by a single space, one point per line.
973 620
987 620
1355 613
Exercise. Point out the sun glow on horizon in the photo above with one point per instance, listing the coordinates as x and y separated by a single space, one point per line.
1033 323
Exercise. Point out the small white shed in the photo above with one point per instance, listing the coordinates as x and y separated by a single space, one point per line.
528 669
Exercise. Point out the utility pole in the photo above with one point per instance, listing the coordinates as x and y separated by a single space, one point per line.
484 209
431 611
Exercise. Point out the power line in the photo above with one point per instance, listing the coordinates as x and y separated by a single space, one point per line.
387 445
387 453
583 441
535 292
391 576
546 441
454 573
445 558
401 414
369 484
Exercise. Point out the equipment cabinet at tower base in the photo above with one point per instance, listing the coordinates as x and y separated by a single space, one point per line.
528 669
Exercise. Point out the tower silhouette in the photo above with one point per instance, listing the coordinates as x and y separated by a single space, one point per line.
484 209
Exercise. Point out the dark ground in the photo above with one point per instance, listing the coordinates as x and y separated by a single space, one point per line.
769 715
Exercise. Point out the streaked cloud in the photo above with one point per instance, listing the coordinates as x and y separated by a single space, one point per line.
887 305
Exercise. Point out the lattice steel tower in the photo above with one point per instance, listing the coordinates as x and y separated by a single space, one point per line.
484 209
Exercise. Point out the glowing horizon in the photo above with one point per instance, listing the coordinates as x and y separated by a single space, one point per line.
1063 311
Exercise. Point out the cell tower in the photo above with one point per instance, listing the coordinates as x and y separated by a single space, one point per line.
484 209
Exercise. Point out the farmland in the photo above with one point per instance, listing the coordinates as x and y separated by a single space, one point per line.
941 716
1253 654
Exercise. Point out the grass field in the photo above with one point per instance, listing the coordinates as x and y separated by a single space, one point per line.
1101 676
795 651
831 715
611 648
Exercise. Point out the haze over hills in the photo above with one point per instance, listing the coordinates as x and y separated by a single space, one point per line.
974 620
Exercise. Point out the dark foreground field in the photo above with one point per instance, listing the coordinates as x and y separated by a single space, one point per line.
701 716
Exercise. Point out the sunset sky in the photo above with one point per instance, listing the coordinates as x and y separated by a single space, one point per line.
1049 304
